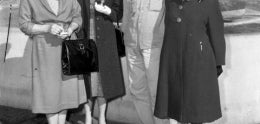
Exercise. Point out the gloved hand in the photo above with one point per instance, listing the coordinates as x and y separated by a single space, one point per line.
219 70
102 8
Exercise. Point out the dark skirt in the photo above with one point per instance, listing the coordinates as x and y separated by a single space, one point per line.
93 85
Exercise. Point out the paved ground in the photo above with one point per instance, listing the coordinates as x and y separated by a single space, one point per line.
19 116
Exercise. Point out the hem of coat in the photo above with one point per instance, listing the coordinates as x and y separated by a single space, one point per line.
113 97
61 107
187 121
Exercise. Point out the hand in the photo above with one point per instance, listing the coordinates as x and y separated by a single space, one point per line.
219 70
65 34
55 29
102 8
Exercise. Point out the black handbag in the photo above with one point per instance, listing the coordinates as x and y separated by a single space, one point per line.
120 41
79 56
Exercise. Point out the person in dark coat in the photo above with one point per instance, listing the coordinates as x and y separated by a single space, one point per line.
191 58
107 83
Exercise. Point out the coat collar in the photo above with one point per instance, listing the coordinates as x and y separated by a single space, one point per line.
47 6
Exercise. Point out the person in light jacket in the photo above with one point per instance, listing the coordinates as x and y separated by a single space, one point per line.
143 27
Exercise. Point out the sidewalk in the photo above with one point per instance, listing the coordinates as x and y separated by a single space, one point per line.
10 115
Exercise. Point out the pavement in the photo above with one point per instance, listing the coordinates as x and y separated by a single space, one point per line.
10 115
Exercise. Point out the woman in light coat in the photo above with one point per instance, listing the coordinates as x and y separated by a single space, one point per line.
47 23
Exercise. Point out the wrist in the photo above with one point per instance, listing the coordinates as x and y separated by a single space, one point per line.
47 28
73 26
69 30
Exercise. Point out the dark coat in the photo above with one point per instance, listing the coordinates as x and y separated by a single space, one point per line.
193 46
109 62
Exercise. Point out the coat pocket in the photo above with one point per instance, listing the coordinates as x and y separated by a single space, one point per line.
204 48
155 5
207 53
201 46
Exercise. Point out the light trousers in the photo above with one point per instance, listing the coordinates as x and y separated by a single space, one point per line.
143 68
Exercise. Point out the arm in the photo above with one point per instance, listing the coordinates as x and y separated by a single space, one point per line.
76 22
76 19
216 32
114 12
40 29
25 23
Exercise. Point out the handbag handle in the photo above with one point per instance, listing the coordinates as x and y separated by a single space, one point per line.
9 25
117 24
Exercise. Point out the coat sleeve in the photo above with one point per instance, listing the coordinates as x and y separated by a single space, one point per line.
25 15
76 13
116 10
216 32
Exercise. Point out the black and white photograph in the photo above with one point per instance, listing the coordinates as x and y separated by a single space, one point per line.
129 61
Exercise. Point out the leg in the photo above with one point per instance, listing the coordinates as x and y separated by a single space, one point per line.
88 113
62 117
138 85
172 121
151 61
102 103
52 118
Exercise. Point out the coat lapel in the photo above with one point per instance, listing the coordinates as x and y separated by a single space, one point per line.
47 6
61 4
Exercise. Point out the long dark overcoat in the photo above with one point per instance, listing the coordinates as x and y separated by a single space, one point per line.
109 62
193 46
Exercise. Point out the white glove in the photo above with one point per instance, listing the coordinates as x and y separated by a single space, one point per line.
102 8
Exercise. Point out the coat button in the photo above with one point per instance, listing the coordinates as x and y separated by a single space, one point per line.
179 20
98 36
180 7
98 28
35 69
97 18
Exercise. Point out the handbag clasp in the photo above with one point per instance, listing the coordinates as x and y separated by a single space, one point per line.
82 48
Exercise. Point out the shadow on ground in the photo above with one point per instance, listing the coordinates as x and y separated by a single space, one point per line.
10 115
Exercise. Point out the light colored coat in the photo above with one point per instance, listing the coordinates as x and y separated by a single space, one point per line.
143 23
52 91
